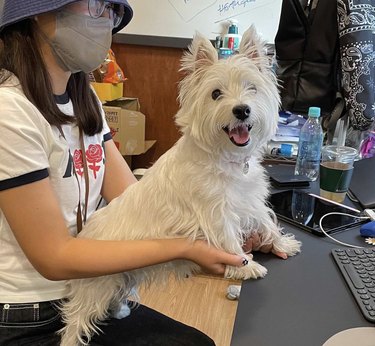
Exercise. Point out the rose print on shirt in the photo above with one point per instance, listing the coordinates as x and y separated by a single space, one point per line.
78 162
94 155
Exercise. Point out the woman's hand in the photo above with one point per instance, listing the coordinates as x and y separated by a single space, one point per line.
211 259
253 243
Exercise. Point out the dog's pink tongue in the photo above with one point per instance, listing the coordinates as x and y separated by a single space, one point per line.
239 134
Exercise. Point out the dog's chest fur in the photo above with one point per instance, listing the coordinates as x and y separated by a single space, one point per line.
188 192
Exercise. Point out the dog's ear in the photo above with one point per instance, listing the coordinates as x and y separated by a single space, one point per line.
253 47
201 53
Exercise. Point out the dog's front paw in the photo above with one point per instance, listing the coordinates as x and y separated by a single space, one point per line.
252 270
287 243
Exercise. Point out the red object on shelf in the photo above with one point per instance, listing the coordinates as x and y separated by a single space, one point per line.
231 43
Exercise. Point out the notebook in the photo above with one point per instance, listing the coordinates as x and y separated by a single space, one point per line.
362 185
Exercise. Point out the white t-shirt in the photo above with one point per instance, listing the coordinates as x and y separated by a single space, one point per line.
30 150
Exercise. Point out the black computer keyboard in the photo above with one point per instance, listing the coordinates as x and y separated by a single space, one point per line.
358 268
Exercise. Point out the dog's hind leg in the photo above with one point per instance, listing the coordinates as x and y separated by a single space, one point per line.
88 304
287 243
281 242
272 233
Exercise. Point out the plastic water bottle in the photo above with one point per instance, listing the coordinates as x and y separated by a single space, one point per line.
309 146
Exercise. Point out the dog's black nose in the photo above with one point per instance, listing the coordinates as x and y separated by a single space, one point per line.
241 112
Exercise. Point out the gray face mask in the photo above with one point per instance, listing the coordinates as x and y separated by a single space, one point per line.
81 43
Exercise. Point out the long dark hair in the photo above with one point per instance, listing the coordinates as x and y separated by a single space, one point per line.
20 54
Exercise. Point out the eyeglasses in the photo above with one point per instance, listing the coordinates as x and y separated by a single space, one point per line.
97 8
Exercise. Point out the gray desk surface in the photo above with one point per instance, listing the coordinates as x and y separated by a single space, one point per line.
302 301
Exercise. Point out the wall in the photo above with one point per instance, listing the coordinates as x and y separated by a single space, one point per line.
153 76
182 18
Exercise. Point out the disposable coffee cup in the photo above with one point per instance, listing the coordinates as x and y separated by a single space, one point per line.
336 169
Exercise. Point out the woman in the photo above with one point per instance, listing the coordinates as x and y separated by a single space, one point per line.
51 123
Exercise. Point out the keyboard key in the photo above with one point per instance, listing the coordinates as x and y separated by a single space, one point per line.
356 280
365 297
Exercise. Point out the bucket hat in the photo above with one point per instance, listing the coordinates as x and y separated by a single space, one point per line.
12 11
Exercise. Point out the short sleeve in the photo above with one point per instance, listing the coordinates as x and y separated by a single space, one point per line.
23 140
107 135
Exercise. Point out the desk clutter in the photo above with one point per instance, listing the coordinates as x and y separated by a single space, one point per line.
285 142
293 202
123 114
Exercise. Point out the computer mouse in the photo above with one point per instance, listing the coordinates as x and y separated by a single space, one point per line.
368 229
360 336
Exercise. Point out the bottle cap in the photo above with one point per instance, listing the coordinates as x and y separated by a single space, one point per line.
286 149
314 112
233 28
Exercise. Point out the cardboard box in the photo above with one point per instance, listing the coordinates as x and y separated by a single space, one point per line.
108 91
127 126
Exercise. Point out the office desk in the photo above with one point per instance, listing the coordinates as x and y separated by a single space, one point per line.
302 301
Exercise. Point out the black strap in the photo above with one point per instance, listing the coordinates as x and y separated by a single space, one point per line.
80 220
311 10
85 172
338 112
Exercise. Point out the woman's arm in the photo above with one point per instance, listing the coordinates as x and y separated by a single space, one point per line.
34 216
117 176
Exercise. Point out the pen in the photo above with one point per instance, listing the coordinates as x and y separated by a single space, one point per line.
333 202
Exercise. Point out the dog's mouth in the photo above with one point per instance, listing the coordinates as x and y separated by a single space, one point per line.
239 135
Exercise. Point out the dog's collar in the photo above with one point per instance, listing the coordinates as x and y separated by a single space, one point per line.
245 164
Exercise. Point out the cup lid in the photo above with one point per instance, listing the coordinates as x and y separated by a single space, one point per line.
343 152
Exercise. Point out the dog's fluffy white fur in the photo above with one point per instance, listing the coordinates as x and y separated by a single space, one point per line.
210 185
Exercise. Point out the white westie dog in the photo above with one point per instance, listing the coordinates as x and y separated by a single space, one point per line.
210 185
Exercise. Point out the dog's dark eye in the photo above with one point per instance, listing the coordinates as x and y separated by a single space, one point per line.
216 94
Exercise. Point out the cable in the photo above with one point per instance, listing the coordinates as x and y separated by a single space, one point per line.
370 213
335 240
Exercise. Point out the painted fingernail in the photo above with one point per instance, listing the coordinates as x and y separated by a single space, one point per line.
245 261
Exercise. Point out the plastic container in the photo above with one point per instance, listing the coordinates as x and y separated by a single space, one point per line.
218 42
225 53
309 146
232 38
284 150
